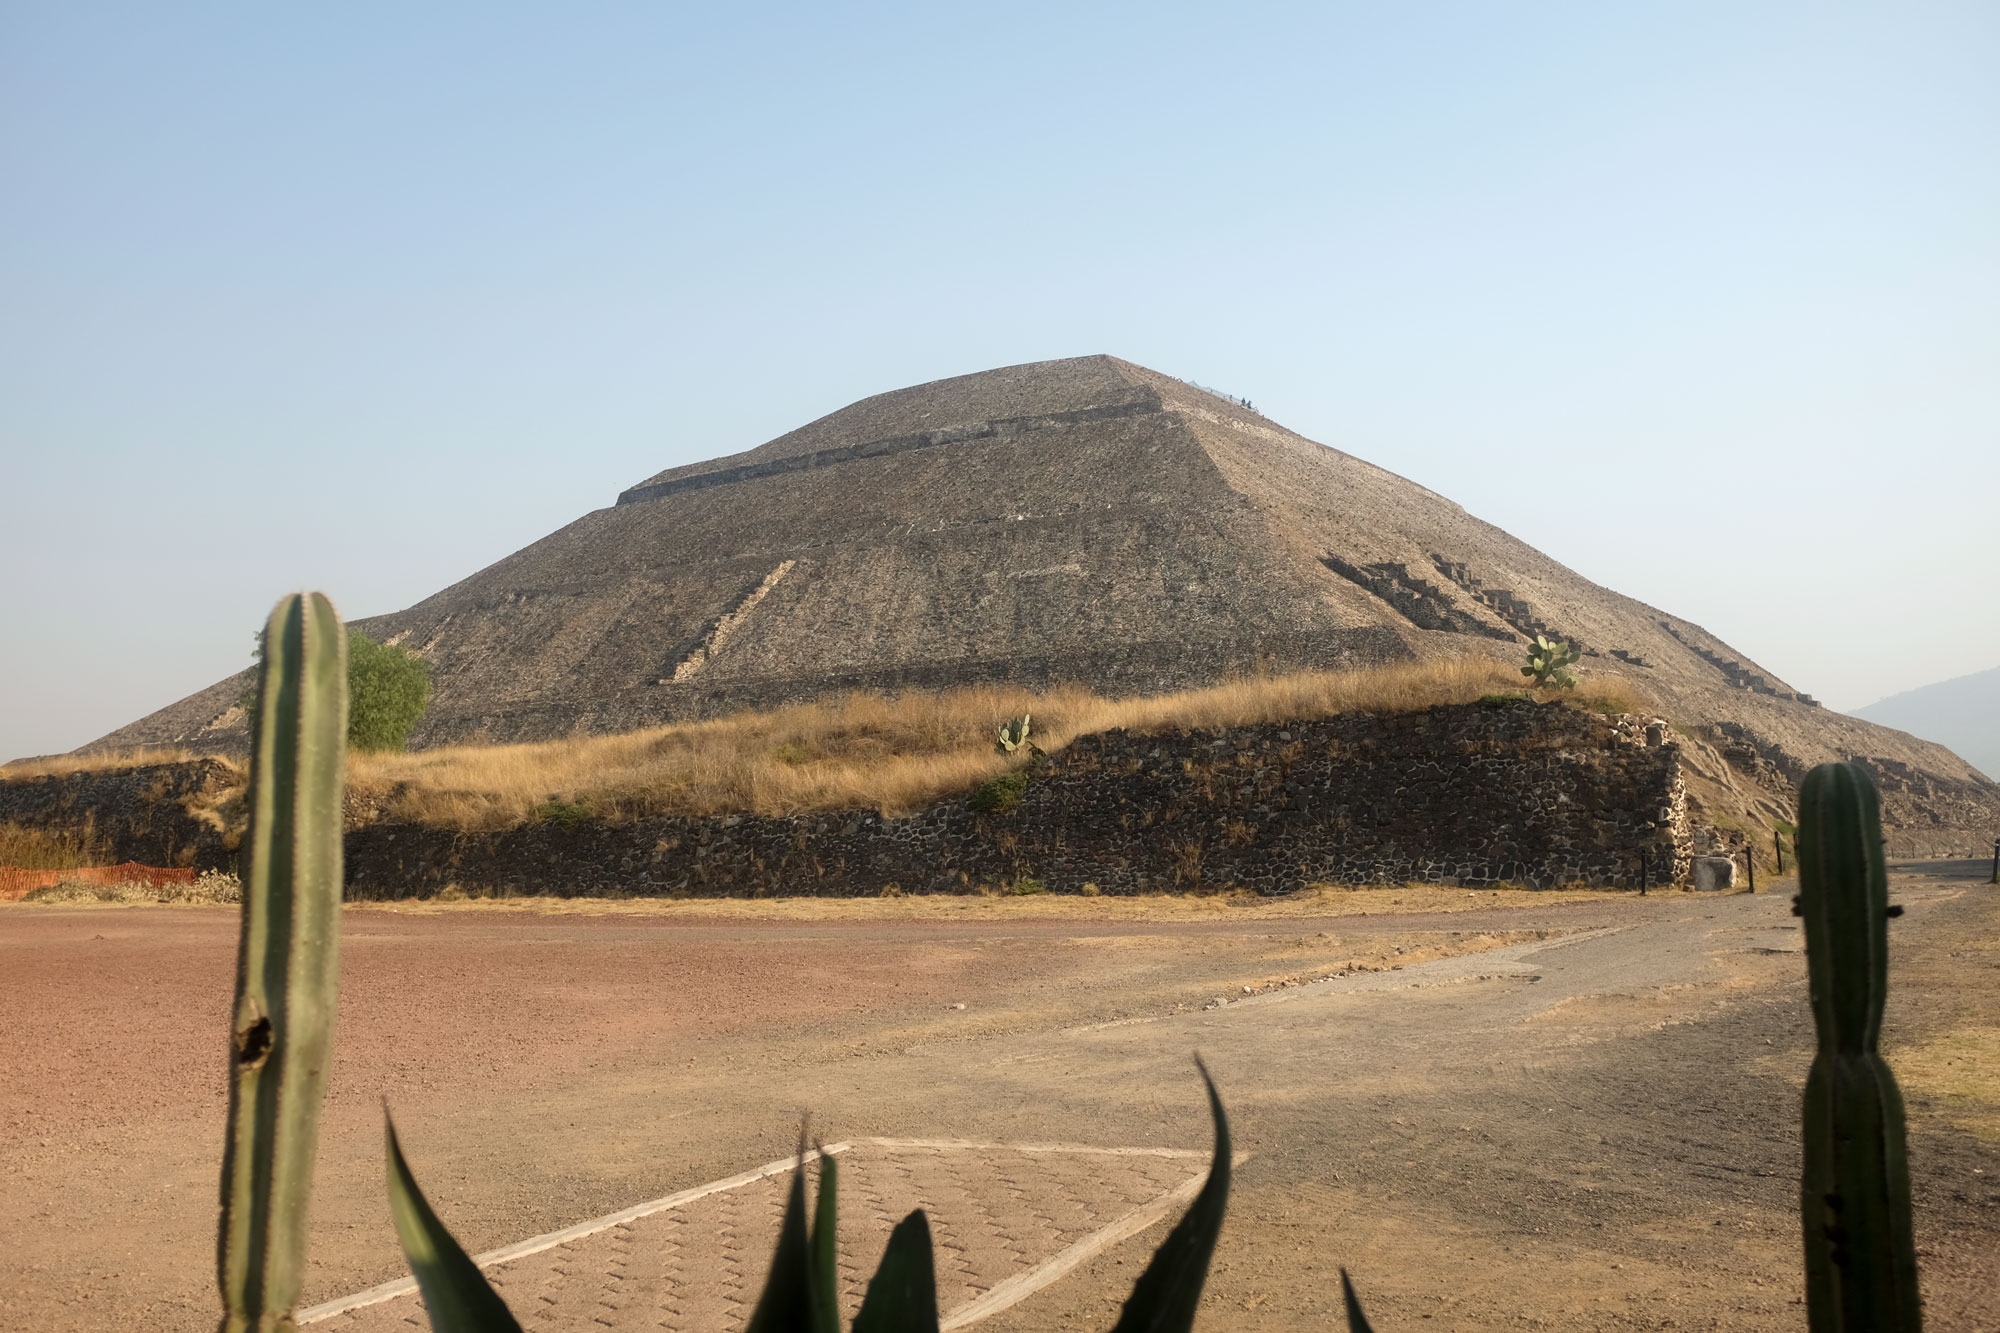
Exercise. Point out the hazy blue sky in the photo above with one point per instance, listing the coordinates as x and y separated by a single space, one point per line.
1701 299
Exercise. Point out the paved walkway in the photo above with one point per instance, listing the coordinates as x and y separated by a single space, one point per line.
1006 1220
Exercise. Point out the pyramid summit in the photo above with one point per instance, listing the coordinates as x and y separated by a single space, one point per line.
1085 520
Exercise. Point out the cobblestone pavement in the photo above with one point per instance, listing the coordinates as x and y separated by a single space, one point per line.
1005 1220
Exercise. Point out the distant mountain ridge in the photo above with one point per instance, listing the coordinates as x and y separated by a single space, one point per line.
1962 713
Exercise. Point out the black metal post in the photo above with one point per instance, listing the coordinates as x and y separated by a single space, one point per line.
1778 841
1996 861
1750 860
1644 858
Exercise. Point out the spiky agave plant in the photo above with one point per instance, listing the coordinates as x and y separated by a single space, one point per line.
801 1294
287 965
1854 1191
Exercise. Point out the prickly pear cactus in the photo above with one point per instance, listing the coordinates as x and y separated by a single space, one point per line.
1854 1195
1547 659
286 965
1013 735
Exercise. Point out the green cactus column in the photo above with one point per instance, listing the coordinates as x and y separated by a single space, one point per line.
286 964
1854 1194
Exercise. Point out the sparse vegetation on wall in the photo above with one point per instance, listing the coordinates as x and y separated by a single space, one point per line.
893 754
60 765
49 849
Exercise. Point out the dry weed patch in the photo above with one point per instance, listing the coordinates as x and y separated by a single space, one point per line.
208 888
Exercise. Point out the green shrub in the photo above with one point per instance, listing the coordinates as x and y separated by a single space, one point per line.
388 688
1000 794
563 814
1027 884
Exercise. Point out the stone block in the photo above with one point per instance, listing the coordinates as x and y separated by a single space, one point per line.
1712 874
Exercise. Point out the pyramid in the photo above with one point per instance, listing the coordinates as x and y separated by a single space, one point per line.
1084 520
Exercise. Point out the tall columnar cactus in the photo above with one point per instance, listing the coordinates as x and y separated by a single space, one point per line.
1854 1195
286 964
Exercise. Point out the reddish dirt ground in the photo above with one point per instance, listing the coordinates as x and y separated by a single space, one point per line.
1610 1142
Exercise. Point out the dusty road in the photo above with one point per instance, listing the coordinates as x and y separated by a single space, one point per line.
1589 1127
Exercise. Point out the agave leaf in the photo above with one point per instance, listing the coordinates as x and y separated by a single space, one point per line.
456 1295
1164 1298
902 1296
824 1244
787 1304
1357 1322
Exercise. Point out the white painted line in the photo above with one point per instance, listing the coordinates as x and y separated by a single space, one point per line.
389 1291
975 1145
1022 1285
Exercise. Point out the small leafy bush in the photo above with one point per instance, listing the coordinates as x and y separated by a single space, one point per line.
1000 794
388 689
563 814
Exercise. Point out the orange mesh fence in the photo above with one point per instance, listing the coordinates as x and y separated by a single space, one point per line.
16 883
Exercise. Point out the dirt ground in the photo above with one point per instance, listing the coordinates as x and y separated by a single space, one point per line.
1603 1134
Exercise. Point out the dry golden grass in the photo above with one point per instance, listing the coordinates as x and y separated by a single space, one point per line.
50 849
891 753
57 765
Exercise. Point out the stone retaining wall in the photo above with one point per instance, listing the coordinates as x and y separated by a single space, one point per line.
1537 794
149 814
1528 794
